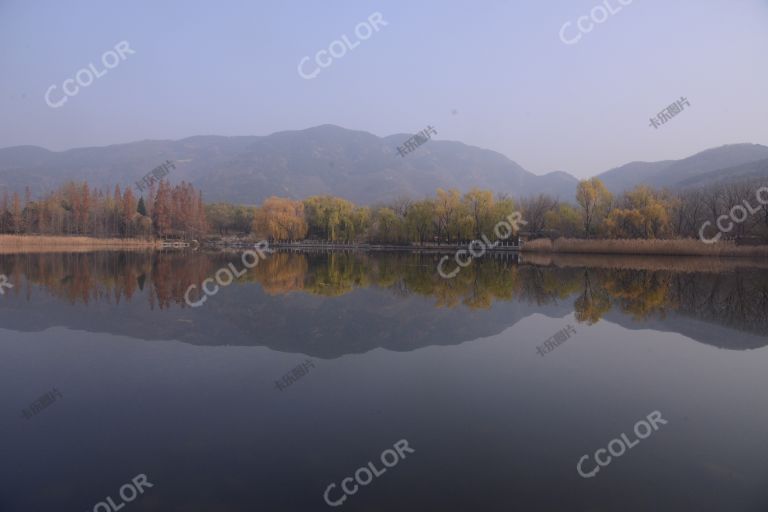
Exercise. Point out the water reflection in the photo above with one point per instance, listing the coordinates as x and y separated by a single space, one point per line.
391 292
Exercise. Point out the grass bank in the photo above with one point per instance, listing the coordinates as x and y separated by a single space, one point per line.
686 247
32 243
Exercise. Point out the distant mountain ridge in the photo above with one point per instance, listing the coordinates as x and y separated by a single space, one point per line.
356 165
695 171
321 160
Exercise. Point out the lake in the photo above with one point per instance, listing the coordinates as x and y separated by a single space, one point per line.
366 382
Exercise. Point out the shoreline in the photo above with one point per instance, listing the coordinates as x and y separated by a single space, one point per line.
544 246
439 249
642 247
675 248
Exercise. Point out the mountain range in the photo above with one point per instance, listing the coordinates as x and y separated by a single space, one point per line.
352 164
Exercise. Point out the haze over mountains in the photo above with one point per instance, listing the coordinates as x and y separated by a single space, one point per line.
352 164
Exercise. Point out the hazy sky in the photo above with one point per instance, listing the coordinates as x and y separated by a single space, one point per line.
230 68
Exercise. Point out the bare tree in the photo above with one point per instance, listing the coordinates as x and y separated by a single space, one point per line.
534 210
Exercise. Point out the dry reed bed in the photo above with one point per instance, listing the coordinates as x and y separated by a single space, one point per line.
686 247
21 243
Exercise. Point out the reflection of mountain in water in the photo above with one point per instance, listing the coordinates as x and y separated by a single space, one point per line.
329 305
693 328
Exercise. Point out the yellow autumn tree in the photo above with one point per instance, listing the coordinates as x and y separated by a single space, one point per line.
644 213
594 200
279 218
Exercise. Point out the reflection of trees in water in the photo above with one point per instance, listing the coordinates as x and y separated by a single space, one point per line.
173 273
546 285
403 274
476 286
640 293
107 276
78 277
280 273
594 301
336 274
738 298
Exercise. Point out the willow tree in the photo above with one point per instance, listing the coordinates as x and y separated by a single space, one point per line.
332 218
281 219
642 213
594 200
447 212
479 206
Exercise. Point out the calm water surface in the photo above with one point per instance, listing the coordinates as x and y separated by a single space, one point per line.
497 418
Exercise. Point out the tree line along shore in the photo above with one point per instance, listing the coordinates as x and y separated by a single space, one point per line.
640 221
